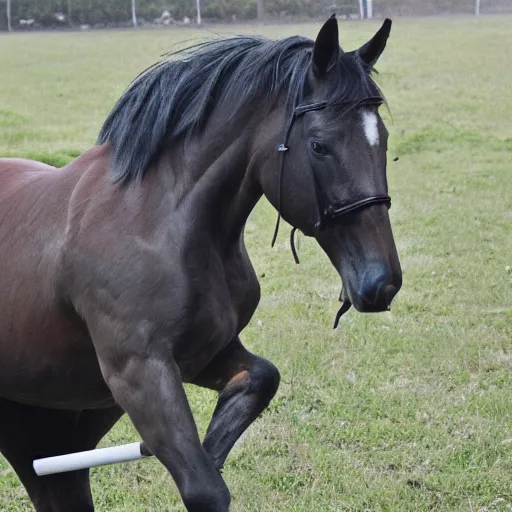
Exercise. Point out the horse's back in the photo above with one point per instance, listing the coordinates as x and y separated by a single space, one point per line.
23 164
18 172
27 188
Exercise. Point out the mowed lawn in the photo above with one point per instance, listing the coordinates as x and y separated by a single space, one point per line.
403 411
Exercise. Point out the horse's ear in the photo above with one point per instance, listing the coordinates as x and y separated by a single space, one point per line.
372 50
327 48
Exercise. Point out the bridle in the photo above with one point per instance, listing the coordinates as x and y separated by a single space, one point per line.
328 214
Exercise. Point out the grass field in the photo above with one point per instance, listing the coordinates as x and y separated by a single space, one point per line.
403 411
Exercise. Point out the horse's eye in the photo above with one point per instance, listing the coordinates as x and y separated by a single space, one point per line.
317 148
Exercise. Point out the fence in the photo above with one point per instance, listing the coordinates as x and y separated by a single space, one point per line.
38 14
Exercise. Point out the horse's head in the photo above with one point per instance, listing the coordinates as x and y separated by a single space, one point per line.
332 172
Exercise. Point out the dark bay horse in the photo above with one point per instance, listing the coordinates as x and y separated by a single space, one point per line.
125 274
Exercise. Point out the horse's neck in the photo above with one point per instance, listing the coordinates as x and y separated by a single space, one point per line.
213 186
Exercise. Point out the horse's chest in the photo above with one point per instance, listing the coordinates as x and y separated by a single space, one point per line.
231 299
223 306
244 290
231 293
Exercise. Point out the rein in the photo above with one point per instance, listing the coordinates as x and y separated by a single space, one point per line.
328 213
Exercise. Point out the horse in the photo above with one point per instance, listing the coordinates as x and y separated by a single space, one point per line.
125 273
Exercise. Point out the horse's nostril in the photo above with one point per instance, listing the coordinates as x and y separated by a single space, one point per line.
377 292
388 293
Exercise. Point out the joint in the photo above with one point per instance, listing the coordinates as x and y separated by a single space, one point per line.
262 379
237 382
265 377
207 499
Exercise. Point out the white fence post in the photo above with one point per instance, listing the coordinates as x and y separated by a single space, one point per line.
134 14
198 7
8 13
477 7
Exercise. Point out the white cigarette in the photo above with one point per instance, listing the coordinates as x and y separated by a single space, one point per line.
89 459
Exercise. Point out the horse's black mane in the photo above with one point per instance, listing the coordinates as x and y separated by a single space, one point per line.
175 97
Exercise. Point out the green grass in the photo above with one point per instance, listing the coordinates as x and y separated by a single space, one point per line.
403 411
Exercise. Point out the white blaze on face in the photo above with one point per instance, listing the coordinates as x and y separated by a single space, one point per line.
370 125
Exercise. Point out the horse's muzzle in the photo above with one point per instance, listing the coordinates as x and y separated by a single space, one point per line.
377 290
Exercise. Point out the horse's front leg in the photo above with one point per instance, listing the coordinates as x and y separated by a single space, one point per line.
145 381
246 383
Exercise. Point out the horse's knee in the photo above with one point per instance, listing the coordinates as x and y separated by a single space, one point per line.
206 498
264 379
261 379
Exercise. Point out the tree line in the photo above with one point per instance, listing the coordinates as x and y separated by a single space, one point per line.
54 13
